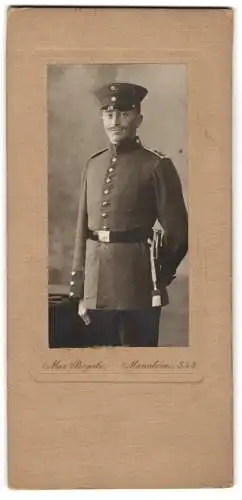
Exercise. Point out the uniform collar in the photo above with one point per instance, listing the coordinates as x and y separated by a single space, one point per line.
125 146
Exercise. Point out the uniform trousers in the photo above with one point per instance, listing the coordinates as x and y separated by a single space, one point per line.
138 328
107 327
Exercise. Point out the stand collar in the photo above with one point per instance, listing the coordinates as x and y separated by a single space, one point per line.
125 146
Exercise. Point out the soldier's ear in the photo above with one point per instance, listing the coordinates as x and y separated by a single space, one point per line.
139 119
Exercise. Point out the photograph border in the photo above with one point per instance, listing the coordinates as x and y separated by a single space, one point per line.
58 98
178 364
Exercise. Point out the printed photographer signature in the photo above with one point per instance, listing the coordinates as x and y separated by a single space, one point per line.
78 364
134 364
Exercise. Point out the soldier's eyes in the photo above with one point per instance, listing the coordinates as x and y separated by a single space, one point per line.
110 115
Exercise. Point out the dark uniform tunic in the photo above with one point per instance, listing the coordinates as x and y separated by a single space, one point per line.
124 188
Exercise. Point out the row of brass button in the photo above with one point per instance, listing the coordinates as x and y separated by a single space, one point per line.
106 191
72 283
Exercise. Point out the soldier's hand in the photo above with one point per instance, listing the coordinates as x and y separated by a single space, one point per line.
167 277
170 279
82 312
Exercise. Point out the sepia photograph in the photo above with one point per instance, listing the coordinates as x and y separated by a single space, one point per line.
118 205
119 163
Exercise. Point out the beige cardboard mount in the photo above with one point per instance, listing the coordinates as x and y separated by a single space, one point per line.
101 423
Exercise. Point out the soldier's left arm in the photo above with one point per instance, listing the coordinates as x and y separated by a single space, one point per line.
172 215
78 264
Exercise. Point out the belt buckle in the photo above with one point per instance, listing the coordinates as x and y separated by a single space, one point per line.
104 236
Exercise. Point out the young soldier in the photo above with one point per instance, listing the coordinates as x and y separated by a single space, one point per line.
125 188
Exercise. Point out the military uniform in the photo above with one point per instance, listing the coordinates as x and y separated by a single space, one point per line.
125 188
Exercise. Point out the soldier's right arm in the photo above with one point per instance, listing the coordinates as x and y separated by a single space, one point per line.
78 264
172 215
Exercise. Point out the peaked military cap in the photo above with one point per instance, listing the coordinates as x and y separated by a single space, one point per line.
120 95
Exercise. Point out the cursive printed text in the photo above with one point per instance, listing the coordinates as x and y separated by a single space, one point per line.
136 364
78 364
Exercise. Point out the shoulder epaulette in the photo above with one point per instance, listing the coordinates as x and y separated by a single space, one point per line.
157 153
98 153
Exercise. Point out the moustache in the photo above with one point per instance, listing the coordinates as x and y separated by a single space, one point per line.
116 129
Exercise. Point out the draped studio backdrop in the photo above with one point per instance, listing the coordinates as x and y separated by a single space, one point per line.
75 132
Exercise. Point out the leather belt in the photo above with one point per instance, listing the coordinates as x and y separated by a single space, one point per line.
129 236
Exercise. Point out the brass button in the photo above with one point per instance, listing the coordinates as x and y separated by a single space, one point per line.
106 191
111 169
104 203
72 283
104 227
108 180
71 294
114 159
73 273
104 215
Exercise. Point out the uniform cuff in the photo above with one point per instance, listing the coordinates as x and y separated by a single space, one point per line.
76 285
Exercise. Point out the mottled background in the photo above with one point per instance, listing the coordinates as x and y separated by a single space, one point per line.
75 132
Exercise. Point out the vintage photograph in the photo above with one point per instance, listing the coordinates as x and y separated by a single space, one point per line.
118 205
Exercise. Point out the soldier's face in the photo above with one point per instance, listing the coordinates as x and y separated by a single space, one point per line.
120 125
